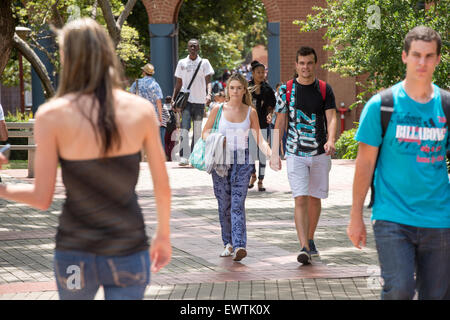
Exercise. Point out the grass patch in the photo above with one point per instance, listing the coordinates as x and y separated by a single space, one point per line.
16 164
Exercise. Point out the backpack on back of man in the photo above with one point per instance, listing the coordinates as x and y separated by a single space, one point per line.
386 110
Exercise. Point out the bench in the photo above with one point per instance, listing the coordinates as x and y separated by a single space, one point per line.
23 130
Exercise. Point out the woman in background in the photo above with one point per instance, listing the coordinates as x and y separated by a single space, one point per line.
264 102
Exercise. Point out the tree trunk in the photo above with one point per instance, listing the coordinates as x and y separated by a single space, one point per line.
7 32
115 27
37 64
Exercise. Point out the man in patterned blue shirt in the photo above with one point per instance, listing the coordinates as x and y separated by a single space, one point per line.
148 88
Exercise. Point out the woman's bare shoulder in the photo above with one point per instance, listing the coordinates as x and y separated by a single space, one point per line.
253 114
216 107
252 110
54 107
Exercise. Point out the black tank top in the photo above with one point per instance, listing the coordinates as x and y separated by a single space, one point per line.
101 214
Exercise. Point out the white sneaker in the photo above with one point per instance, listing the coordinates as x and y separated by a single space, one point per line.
228 251
239 254
183 162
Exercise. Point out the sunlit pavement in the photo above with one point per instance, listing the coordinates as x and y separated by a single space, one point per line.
270 271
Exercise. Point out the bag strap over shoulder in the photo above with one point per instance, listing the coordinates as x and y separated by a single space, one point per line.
137 86
323 89
289 86
195 74
217 119
445 100
386 109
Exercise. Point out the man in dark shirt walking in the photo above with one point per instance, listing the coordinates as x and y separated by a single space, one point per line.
309 107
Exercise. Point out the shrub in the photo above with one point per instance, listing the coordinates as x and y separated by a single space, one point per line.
347 146
18 116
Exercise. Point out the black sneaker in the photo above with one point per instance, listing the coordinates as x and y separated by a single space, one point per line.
304 257
312 249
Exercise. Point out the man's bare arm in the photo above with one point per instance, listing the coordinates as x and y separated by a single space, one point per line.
364 168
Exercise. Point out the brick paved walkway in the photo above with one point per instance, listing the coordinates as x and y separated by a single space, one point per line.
270 271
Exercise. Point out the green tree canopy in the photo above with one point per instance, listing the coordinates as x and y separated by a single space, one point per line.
39 13
366 38
227 30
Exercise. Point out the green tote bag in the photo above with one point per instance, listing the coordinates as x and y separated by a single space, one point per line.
197 157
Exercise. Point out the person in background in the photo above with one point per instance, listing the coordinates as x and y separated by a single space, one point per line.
3 159
264 101
200 95
218 99
148 88
95 131
272 124
165 119
3 134
3 128
169 138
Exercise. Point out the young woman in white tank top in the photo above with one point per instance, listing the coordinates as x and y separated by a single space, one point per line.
238 118
236 133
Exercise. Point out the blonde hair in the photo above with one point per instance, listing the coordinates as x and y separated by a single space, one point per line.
247 98
89 65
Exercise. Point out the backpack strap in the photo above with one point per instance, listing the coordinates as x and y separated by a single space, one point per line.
323 89
445 100
386 110
323 92
289 85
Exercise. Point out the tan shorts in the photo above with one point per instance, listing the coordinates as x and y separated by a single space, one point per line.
309 176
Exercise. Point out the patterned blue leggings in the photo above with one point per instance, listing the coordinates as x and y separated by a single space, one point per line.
230 192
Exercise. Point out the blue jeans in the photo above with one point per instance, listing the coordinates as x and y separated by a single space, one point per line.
231 192
162 132
405 250
80 274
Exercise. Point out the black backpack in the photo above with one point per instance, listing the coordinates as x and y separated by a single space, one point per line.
386 109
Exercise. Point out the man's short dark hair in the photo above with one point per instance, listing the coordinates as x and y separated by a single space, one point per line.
422 33
306 51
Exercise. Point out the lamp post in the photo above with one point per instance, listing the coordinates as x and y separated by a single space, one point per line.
22 32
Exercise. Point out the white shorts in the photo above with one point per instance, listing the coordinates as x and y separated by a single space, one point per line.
309 176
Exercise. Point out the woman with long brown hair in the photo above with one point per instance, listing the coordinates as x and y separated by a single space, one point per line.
237 119
95 130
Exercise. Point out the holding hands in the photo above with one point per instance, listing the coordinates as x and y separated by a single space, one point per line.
275 161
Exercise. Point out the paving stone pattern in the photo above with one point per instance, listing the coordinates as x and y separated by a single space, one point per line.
196 272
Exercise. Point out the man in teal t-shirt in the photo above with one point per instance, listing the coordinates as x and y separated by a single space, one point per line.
411 212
